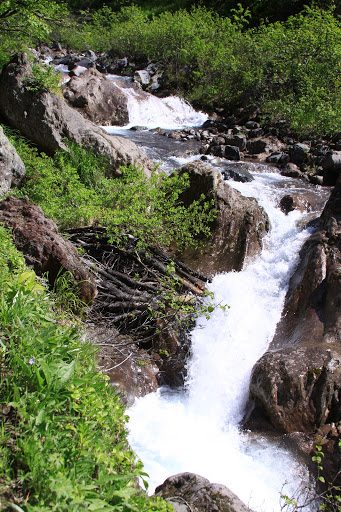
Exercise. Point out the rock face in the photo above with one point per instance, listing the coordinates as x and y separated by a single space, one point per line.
188 492
297 384
97 98
44 249
237 231
47 120
12 168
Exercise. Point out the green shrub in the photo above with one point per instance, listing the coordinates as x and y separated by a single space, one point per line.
73 190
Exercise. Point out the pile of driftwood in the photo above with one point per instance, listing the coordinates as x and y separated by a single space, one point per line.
140 292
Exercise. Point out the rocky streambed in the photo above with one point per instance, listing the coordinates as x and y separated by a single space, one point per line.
294 387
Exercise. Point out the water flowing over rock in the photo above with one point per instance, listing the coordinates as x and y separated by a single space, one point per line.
47 120
237 231
297 384
188 492
44 249
12 168
97 98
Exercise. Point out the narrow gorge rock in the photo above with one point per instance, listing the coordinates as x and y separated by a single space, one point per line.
47 120
44 249
237 231
297 383
12 168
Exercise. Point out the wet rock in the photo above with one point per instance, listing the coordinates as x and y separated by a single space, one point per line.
188 492
47 120
277 157
331 165
256 146
142 77
97 98
297 383
237 175
12 168
238 140
298 387
298 153
237 231
228 152
291 170
44 249
291 202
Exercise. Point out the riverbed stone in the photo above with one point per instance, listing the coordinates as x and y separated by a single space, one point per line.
47 120
188 492
237 231
12 168
298 153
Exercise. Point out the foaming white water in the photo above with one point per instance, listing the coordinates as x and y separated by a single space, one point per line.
196 430
153 112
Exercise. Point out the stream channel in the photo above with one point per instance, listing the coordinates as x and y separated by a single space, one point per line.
197 428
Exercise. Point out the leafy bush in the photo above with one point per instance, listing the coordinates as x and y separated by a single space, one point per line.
73 190
43 77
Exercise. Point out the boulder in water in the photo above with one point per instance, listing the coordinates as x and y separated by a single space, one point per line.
297 384
237 231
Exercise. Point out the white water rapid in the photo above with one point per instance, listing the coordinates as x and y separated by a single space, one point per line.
150 111
196 429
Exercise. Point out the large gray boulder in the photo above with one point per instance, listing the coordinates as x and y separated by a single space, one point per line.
12 168
97 98
297 383
237 231
188 492
47 120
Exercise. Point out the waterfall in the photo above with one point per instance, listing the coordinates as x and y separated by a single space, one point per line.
150 111
196 429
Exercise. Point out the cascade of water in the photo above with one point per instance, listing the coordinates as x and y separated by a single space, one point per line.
196 429
152 112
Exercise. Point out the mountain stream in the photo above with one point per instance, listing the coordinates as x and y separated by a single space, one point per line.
196 428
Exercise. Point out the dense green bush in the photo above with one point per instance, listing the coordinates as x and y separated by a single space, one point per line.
290 69
73 190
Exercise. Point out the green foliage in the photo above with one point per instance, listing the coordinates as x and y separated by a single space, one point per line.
11 260
43 77
73 190
24 22
63 439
